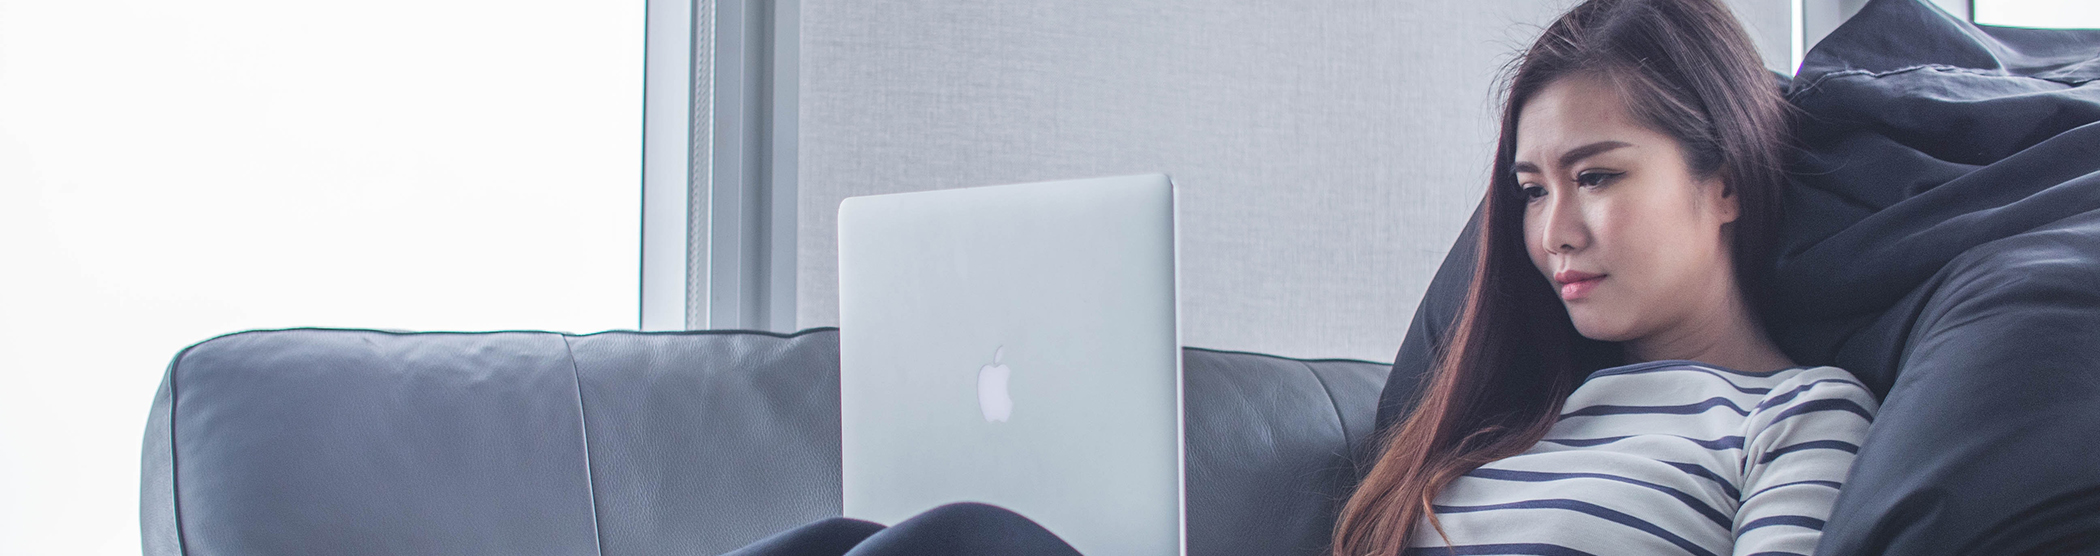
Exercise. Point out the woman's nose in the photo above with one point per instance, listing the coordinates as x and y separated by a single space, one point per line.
1564 231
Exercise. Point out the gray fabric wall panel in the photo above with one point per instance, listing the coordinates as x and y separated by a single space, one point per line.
1328 151
1771 25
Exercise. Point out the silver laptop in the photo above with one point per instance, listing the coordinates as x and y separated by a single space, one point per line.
1016 345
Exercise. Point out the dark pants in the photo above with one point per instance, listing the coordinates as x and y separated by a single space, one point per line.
953 530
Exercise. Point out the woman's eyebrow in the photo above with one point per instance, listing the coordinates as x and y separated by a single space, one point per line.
1572 156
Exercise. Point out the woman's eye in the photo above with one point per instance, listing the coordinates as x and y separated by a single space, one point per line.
1594 179
1531 191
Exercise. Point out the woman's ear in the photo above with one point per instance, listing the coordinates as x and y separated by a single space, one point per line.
1722 199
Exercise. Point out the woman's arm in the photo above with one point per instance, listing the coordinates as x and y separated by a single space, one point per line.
1798 446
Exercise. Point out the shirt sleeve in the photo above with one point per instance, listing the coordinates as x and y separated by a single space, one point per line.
1798 446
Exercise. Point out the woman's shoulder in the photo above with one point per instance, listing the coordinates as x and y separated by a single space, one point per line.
1817 375
1814 396
1775 386
1818 388
1668 366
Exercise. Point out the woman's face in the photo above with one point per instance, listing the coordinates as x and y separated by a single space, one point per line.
1631 241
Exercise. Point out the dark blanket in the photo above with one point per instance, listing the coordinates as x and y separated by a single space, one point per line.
1943 244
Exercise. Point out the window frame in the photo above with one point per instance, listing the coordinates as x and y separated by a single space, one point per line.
719 167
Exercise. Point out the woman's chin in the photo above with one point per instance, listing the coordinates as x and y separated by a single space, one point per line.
1600 329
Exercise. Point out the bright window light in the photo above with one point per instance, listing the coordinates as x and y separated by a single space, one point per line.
2059 14
171 171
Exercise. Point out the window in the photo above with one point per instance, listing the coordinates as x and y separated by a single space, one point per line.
170 171
2063 14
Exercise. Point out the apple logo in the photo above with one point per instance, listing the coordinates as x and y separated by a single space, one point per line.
992 397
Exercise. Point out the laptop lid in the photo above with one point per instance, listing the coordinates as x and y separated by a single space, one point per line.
1016 345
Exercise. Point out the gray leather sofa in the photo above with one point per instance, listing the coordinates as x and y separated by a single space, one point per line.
312 441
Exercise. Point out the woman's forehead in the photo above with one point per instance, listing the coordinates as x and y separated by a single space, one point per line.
1571 113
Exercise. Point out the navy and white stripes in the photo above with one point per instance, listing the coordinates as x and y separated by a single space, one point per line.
1667 457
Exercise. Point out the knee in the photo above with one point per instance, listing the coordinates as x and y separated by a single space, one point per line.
845 527
833 535
976 528
971 513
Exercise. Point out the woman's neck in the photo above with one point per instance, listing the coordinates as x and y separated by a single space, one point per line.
1732 339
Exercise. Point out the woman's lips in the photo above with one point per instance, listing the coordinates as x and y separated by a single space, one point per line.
1575 285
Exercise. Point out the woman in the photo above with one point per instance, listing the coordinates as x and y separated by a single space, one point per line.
1631 211
1633 203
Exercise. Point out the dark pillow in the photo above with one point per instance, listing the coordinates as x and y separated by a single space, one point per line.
1943 244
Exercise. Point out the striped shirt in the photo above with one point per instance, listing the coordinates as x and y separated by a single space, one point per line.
1667 457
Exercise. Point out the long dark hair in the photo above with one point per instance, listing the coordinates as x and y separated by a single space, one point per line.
1681 67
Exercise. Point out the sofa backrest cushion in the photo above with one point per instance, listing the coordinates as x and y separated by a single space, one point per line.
310 441
703 442
1271 446
367 442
